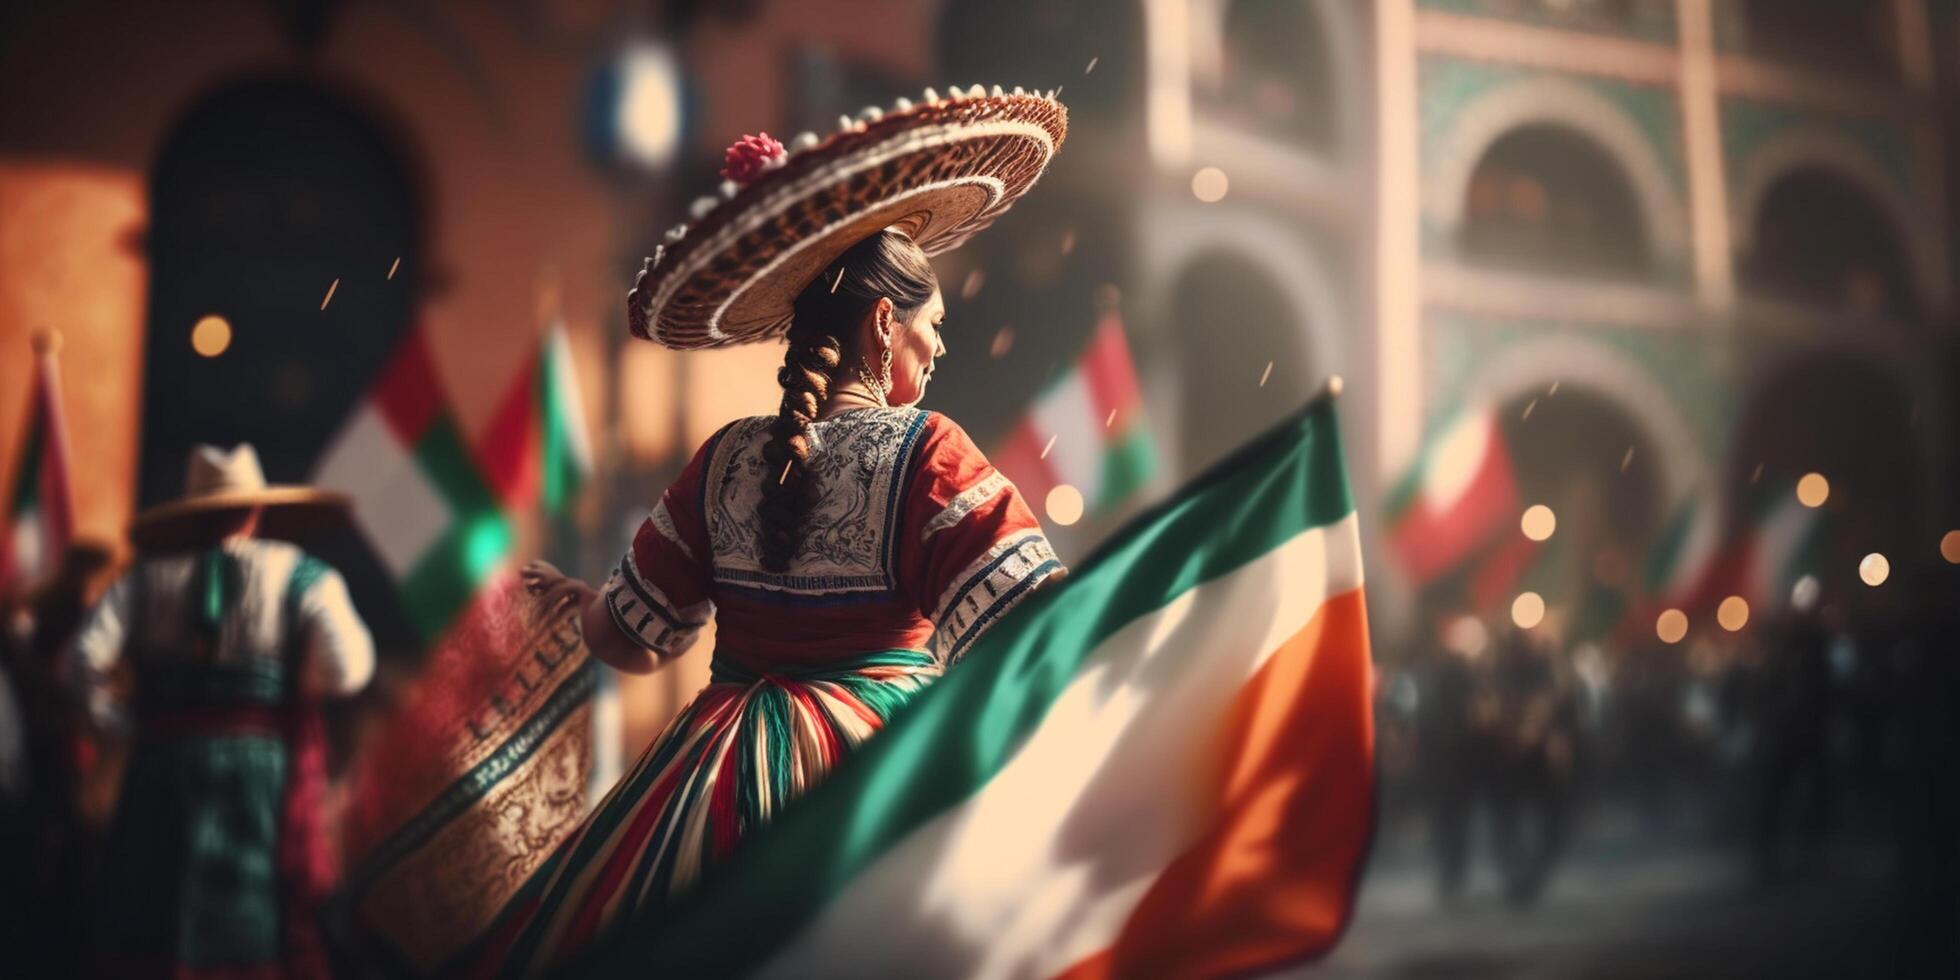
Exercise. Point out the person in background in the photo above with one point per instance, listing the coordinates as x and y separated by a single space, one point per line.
53 843
215 860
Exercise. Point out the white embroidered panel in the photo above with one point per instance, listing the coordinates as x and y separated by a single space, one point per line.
857 463
987 588
957 508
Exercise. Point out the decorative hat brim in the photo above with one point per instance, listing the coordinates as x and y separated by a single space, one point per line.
289 509
939 170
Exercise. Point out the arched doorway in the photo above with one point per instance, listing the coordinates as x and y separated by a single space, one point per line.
1274 75
1229 321
1819 238
1547 199
269 196
1583 455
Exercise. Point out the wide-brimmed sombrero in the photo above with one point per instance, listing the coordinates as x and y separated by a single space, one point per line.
938 170
217 483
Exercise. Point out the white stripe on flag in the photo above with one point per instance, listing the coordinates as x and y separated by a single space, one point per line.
1105 779
1067 414
398 509
570 410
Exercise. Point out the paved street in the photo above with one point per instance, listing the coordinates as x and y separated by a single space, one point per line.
1619 908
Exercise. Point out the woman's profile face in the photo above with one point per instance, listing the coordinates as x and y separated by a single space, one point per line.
915 346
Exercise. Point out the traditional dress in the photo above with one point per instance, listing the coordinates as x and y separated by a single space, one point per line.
914 545
215 858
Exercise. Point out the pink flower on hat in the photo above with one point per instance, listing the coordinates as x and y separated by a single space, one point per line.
750 156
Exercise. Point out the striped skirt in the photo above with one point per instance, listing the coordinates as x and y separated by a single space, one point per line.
746 745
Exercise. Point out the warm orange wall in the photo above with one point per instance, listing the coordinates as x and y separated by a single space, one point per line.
67 262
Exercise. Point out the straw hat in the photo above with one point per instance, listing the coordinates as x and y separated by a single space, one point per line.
218 482
939 170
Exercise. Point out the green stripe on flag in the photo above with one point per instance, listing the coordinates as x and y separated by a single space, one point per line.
962 730
1126 466
479 536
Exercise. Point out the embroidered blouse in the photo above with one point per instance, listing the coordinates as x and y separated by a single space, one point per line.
914 542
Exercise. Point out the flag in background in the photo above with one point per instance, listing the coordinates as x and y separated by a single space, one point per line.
1784 542
40 511
537 449
1458 495
1090 426
1161 765
416 491
1682 559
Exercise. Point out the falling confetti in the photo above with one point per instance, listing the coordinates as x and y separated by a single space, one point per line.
1263 375
1110 420
839 281
970 287
1756 475
1092 64
1050 446
330 289
1068 241
393 268
1530 407
1627 460
1003 342
785 476
1553 390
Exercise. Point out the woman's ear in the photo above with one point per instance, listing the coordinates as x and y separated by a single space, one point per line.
881 317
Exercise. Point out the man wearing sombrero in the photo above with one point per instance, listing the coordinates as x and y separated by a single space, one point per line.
850 547
215 859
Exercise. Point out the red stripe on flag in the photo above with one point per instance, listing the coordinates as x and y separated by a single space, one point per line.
509 453
1429 543
1020 459
1111 374
408 393
1271 880
1498 575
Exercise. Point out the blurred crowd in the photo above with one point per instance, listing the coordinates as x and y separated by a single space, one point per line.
1790 743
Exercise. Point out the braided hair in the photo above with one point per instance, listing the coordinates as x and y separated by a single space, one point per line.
887 265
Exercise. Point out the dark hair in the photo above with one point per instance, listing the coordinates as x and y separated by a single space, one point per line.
887 265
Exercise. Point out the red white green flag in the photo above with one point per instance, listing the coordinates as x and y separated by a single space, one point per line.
1456 498
40 510
537 449
1160 766
1086 430
1786 541
1686 554
416 491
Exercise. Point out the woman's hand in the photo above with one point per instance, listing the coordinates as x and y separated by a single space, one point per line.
554 589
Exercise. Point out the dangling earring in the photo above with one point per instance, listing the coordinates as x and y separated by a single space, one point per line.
885 374
877 389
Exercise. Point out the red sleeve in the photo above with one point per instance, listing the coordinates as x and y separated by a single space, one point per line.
660 593
972 548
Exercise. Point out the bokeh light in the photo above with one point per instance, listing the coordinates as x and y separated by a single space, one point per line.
1804 594
1528 610
211 336
1813 490
1733 613
1466 635
1672 626
1874 569
1950 547
1210 184
1064 504
1539 522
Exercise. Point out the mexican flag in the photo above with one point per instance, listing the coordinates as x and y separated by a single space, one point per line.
1686 554
40 511
1456 497
1086 430
416 492
537 448
1161 765
1786 542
